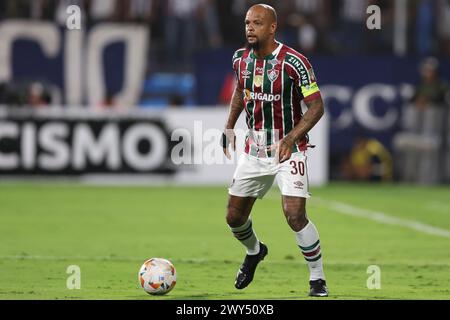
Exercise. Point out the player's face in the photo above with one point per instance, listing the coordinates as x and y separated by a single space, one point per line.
257 27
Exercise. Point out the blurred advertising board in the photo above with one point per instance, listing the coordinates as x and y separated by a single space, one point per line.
180 146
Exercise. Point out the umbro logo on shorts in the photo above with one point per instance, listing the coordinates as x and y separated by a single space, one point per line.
298 184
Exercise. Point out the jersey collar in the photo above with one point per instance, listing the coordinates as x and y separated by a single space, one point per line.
269 56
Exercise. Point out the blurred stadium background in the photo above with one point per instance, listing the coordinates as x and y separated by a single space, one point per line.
384 99
110 103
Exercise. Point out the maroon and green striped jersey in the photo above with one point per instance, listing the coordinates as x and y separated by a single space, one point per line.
273 89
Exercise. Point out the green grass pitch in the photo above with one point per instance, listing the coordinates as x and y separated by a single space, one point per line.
109 232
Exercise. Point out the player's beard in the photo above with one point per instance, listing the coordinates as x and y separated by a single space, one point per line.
255 46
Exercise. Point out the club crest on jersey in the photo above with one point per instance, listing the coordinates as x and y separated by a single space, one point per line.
258 80
273 74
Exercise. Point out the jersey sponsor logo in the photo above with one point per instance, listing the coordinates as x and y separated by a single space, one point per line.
273 74
296 63
301 69
258 80
261 96
259 70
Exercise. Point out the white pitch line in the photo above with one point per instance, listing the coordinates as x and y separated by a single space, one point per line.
375 216
384 218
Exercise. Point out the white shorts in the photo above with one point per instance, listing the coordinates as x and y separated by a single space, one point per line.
254 176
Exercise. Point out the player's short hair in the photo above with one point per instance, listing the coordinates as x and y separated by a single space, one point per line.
269 9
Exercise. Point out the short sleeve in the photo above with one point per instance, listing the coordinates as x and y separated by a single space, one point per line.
304 77
310 89
235 61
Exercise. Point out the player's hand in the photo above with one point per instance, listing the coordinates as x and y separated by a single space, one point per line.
284 151
228 137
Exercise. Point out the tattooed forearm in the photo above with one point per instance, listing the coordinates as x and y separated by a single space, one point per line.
309 120
236 107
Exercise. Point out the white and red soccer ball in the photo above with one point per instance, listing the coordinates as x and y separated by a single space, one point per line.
157 276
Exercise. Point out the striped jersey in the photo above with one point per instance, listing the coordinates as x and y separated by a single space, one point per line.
273 88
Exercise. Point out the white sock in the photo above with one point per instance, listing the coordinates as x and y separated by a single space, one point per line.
309 243
247 237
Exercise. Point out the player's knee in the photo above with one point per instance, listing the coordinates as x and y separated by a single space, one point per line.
235 221
296 218
235 217
297 222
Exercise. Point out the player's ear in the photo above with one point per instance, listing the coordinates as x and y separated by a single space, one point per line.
273 27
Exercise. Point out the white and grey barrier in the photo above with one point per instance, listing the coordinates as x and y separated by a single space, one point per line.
170 146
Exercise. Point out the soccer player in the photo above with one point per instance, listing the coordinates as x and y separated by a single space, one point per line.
272 80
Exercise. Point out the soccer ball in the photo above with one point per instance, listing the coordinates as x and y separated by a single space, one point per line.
157 276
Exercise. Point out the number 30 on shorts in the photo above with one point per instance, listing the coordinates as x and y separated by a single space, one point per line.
298 167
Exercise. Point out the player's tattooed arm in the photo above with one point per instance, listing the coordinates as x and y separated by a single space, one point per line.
236 107
310 118
308 121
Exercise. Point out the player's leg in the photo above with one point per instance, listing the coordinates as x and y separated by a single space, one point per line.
293 182
308 241
306 234
251 180
238 213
